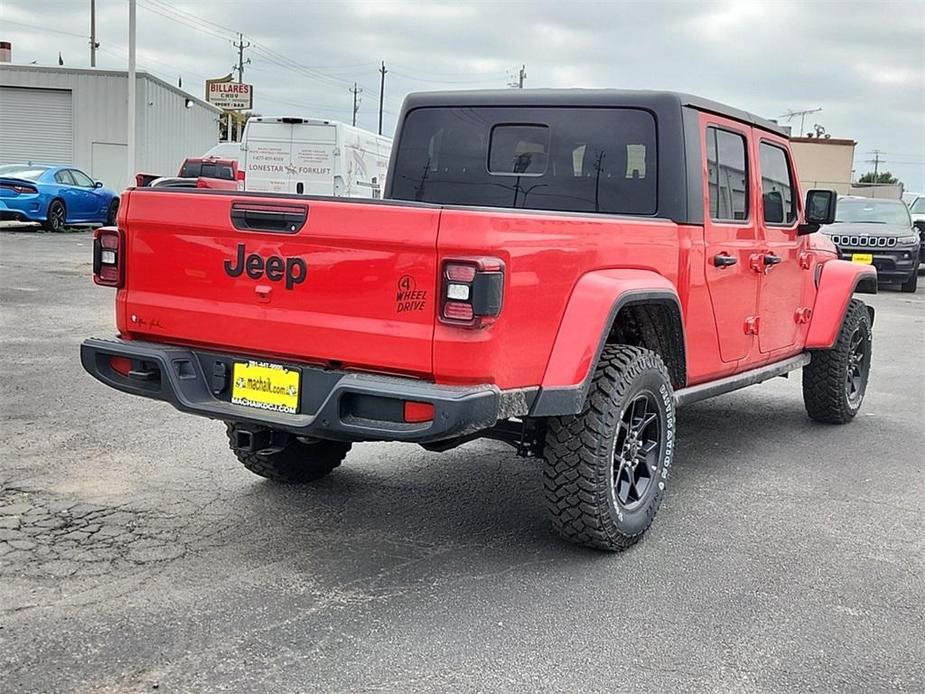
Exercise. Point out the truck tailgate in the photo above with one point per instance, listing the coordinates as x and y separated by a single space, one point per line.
352 285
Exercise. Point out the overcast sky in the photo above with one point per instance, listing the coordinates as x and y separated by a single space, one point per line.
862 62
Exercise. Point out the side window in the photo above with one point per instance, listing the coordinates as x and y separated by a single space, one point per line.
64 178
727 172
81 179
776 186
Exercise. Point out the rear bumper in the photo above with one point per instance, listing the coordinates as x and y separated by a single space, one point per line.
195 381
26 209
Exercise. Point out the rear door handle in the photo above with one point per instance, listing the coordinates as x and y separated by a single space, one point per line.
724 260
771 259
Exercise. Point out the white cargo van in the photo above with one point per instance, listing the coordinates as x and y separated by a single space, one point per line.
226 150
313 157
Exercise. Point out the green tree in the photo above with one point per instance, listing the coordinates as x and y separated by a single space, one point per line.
883 177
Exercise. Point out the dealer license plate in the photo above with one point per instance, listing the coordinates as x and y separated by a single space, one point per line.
863 258
265 386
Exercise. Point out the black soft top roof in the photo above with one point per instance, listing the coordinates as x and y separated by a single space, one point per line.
655 100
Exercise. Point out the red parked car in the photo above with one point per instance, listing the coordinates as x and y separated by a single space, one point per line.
559 270
198 172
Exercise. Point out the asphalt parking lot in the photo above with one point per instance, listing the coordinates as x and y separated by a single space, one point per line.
136 553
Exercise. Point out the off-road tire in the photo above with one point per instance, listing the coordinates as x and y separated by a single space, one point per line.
911 284
825 378
297 463
56 219
580 454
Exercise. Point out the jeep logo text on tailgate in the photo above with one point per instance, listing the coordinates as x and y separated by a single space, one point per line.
275 267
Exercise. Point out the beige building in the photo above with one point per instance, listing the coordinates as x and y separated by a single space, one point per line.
827 163
824 163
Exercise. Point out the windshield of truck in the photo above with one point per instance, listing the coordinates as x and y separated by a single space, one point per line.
570 159
29 173
872 211
206 169
918 206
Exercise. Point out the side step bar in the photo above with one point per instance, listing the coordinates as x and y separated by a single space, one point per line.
686 396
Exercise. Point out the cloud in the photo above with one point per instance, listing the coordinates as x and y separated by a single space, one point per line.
862 62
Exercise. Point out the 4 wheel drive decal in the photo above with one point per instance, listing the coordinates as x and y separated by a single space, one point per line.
409 297
275 267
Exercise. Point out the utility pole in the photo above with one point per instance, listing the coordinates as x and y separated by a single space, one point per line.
93 44
356 104
130 136
876 163
240 45
519 81
382 72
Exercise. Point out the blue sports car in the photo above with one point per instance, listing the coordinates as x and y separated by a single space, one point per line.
55 196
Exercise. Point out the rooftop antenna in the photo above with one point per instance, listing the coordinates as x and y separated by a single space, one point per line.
791 114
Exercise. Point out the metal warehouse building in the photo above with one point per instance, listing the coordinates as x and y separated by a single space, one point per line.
57 115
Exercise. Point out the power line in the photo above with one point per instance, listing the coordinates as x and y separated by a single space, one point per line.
41 28
189 23
290 64
174 13
173 8
456 73
269 54
416 78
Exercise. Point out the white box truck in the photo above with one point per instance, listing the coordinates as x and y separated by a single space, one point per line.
313 157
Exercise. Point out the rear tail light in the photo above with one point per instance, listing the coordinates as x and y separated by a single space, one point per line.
458 311
20 188
472 291
108 257
240 175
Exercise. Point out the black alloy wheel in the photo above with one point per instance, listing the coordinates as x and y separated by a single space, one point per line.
857 367
636 449
57 216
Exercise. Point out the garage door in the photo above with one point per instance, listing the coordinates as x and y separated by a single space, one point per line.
36 125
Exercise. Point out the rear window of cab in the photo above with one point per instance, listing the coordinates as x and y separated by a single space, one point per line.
206 169
565 159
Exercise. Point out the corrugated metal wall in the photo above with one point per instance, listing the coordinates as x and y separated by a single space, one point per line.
166 130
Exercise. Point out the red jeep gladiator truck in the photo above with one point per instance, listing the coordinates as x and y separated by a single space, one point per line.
559 270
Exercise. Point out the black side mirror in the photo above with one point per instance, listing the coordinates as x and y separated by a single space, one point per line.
819 210
97 184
